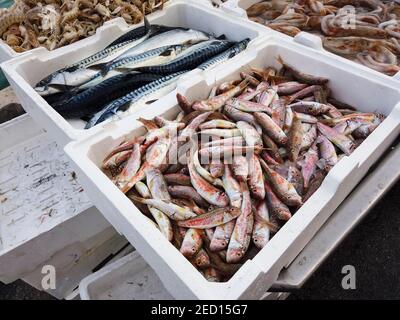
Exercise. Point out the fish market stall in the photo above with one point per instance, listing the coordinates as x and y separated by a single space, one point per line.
366 32
225 152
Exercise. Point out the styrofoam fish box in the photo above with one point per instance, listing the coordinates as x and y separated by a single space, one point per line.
354 86
24 72
107 33
42 206
129 278
238 8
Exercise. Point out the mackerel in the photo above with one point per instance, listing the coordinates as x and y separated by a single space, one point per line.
191 58
226 55
132 98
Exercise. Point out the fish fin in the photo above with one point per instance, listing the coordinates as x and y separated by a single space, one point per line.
146 23
62 87
149 124
221 37
280 60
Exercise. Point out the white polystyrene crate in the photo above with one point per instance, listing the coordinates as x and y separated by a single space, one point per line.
42 206
238 8
106 32
352 85
23 72
129 278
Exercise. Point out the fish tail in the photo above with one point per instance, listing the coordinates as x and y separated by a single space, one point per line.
137 199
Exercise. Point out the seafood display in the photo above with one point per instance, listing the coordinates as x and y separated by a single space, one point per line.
29 24
137 68
223 176
365 31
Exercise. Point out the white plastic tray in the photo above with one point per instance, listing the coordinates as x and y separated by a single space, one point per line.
366 91
238 8
42 206
25 71
129 278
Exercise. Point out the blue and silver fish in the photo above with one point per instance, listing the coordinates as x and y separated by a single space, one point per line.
133 98
224 56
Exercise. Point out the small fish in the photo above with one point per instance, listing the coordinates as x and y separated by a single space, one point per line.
302 77
194 125
191 243
226 151
327 151
211 219
340 140
275 205
234 141
238 115
184 103
272 148
187 193
177 179
288 88
154 158
240 167
221 237
241 235
172 210
261 228
251 93
315 183
207 191
203 172
250 134
201 259
357 117
225 133
271 128
232 187
295 139
309 164
217 124
310 107
248 106
162 220
266 97
157 184
256 178
278 107
309 137
283 189
218 102
131 168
